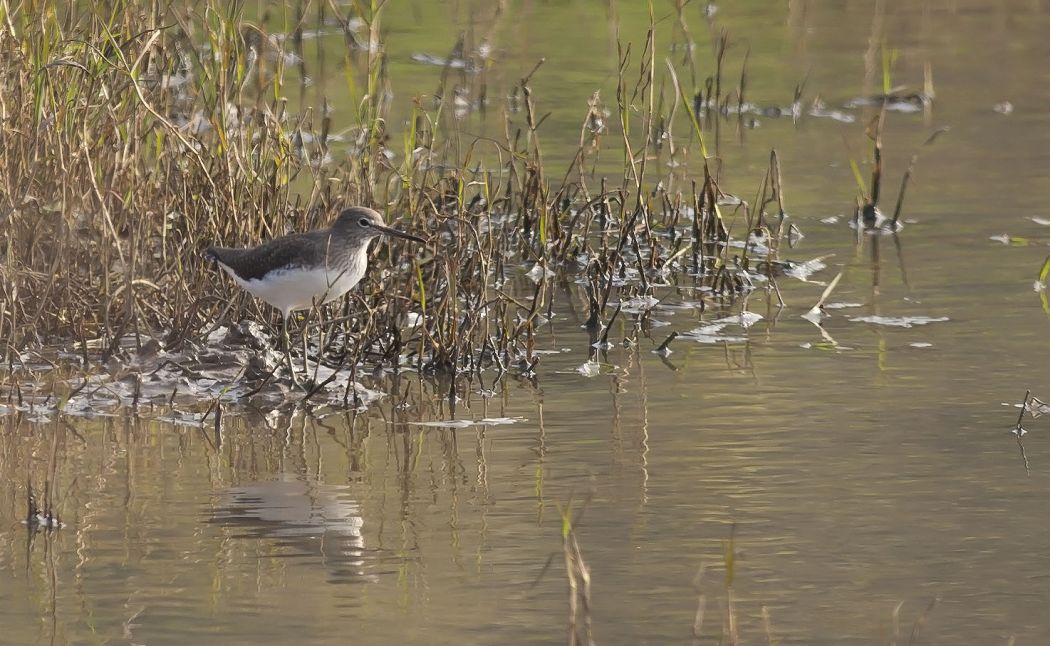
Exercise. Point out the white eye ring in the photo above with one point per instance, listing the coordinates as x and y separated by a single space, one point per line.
365 222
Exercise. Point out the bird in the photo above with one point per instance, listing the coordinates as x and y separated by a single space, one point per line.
300 270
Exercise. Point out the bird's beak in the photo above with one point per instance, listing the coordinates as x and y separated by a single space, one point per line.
398 234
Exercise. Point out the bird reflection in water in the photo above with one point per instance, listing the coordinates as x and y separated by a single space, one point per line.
307 519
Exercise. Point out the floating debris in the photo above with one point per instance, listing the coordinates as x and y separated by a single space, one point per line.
466 423
182 419
44 521
1037 407
539 273
870 219
663 349
589 369
500 421
448 423
711 332
450 62
745 319
899 321
914 102
820 111
803 270
639 304
235 364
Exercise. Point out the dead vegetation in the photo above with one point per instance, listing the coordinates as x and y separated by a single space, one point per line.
134 138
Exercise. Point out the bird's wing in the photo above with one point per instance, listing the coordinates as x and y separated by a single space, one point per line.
282 253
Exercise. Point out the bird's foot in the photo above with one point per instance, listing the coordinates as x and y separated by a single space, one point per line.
303 383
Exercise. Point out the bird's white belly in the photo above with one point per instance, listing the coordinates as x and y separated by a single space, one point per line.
298 289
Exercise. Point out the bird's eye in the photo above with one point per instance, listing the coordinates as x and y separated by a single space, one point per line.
364 222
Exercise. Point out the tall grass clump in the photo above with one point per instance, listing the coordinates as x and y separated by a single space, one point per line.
138 133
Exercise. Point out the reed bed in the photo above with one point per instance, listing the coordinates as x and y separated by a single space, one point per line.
137 135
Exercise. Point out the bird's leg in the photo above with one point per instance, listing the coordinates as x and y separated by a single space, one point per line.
306 357
288 351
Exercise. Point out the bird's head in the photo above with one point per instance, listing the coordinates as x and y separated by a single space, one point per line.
365 223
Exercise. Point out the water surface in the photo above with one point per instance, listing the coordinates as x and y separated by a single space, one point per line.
859 472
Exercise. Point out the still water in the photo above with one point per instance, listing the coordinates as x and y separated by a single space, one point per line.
857 470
